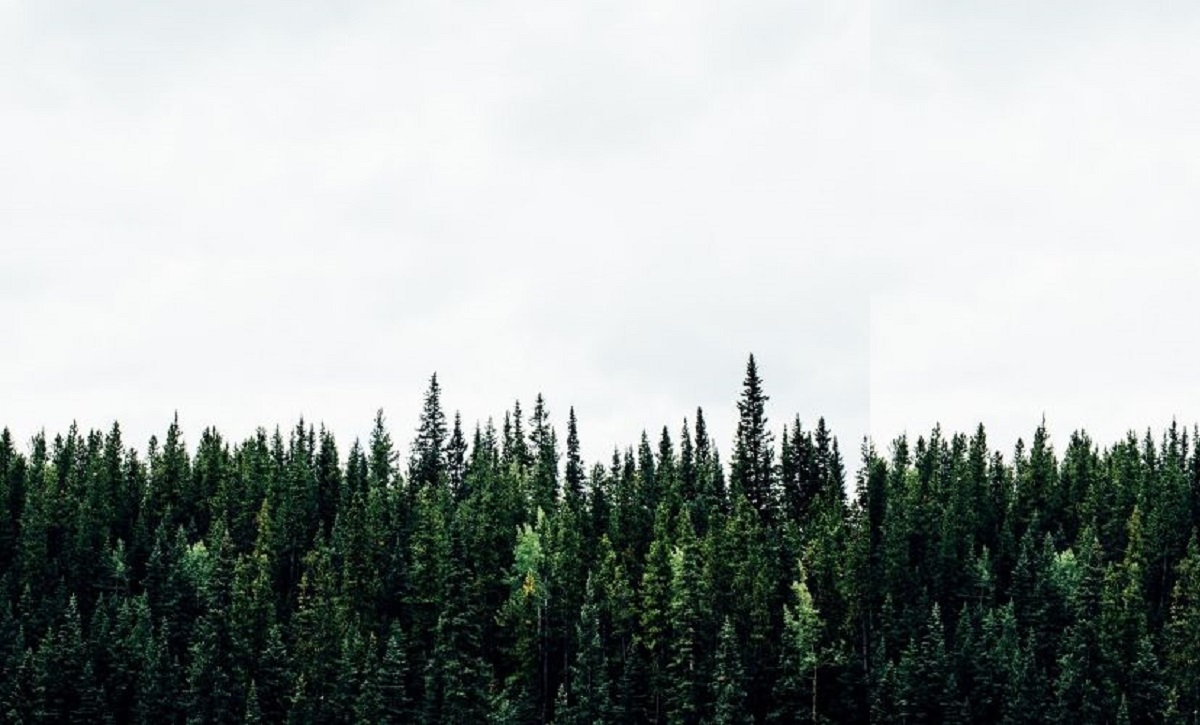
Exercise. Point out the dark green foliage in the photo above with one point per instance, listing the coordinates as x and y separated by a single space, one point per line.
64 686
275 580
543 481
587 691
753 465
728 689
393 677
573 478
456 460
800 659
428 462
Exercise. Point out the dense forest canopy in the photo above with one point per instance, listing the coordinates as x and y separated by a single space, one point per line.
490 574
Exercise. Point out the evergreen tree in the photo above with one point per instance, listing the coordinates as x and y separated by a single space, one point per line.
1183 637
690 641
543 494
394 676
159 681
329 480
1082 695
212 693
656 617
63 683
574 475
428 462
456 675
728 690
382 456
588 701
753 454
796 688
274 580
528 685
456 459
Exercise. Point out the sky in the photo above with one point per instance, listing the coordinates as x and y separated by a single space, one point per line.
910 212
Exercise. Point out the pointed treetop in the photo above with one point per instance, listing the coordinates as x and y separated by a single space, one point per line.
753 453
428 460
574 474
383 456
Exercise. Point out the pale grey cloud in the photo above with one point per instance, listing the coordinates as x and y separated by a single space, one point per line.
1037 167
251 211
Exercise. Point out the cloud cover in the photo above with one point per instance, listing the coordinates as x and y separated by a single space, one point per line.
910 213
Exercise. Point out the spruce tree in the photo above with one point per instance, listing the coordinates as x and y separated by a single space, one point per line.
690 643
456 460
1182 638
574 474
655 620
588 699
275 580
728 688
428 461
393 677
382 456
752 453
543 483
796 689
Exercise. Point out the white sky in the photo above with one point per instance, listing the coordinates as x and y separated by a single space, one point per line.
910 211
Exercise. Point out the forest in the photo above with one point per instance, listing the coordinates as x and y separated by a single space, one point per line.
489 574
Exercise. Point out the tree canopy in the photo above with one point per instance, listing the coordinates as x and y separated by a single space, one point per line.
286 579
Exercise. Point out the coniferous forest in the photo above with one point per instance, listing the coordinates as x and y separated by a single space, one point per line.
489 574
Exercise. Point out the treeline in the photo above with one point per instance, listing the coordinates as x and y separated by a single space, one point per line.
493 576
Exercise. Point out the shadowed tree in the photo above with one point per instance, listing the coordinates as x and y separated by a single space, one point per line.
428 461
753 454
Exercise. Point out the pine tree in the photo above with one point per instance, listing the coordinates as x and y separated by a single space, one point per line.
655 622
574 475
588 698
753 455
688 474
515 450
728 690
712 500
159 682
319 625
796 688
689 644
393 678
618 604
1082 694
170 474
525 616
456 675
428 461
543 494
212 693
329 480
456 460
1182 636
272 580
382 456
274 676
253 714
12 498
63 683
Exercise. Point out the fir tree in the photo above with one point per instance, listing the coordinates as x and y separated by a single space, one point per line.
796 688
728 689
574 474
428 461
752 454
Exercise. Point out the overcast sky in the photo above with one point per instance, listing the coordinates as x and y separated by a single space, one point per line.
910 212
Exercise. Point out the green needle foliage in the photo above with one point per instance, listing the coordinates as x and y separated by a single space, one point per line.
486 575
